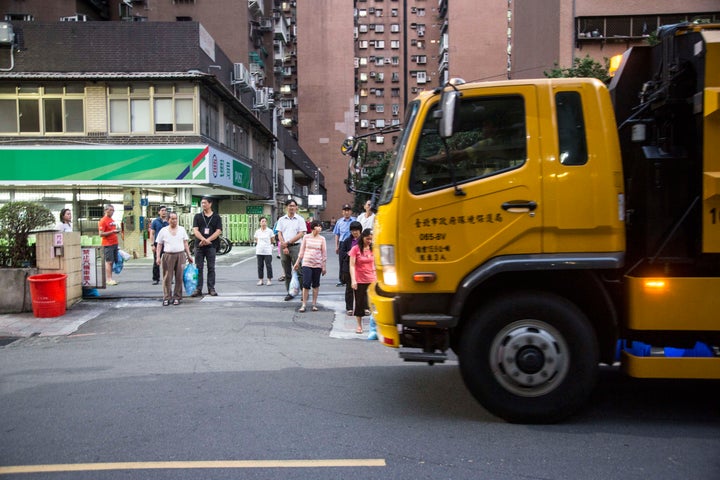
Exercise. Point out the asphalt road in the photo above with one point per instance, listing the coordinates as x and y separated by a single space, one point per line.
244 386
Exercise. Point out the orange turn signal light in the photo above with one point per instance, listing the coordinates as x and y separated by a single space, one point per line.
656 285
424 277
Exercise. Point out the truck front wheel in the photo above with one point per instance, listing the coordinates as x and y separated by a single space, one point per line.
530 357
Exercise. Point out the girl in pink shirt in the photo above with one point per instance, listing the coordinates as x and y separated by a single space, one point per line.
362 274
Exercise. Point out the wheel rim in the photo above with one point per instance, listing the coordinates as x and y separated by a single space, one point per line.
529 358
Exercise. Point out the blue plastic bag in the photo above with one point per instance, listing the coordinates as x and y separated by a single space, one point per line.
118 265
190 278
373 329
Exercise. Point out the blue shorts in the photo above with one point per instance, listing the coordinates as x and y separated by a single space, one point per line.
311 277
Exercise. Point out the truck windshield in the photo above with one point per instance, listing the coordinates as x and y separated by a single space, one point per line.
388 187
489 139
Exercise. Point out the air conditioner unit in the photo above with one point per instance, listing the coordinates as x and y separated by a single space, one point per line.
261 101
241 76
267 24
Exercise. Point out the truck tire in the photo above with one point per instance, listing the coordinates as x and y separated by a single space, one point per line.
529 357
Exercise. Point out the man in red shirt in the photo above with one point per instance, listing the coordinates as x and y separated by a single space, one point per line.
108 234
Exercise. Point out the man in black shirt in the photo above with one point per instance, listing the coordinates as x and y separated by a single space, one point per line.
207 228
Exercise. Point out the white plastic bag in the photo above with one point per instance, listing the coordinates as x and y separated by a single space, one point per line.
125 256
294 288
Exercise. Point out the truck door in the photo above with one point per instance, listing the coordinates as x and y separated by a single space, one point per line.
477 194
582 179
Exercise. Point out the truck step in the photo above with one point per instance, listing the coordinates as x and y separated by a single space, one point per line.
429 357
427 320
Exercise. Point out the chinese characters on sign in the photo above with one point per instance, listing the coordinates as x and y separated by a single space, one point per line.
436 252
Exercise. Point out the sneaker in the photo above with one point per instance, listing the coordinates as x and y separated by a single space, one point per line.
196 293
339 284
111 282
155 282
213 293
259 283
281 278
268 282
349 313
288 298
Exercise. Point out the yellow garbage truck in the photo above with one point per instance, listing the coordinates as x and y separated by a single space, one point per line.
541 228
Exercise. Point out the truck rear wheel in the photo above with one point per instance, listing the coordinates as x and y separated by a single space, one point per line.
529 358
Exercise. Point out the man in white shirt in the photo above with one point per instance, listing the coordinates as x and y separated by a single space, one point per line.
291 229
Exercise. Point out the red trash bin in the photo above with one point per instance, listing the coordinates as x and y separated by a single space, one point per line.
48 294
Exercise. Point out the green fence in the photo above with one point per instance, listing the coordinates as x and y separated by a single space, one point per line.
238 228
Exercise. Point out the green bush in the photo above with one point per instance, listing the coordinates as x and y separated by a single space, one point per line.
17 221
582 67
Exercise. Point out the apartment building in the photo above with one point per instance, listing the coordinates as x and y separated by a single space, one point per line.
524 38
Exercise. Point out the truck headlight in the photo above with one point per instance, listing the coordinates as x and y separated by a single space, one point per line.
387 263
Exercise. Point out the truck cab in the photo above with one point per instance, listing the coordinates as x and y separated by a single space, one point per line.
531 225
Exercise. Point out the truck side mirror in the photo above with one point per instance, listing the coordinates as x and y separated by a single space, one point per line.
448 101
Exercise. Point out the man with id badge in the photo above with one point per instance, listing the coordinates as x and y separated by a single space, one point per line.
207 228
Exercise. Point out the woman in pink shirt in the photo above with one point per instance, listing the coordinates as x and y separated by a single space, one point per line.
313 255
362 274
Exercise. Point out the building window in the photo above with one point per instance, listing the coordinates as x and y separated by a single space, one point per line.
395 28
421 77
379 44
42 110
163 108
19 17
379 108
395 44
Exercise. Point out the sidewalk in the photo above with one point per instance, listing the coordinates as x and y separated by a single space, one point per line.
236 283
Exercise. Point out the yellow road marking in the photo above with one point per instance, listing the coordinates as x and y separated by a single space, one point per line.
90 467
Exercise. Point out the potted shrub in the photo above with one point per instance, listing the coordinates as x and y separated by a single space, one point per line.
17 257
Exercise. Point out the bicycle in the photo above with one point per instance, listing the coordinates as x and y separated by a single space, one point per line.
225 246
